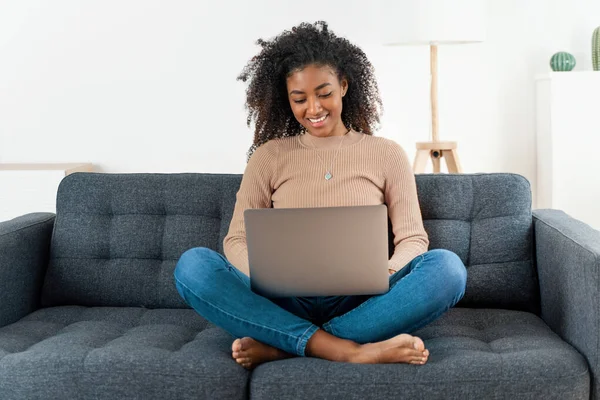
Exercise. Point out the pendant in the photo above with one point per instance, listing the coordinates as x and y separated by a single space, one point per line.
328 176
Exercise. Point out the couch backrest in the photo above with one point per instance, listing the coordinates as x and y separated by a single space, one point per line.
486 220
117 237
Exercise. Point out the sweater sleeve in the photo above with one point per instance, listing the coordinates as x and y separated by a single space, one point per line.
255 192
410 237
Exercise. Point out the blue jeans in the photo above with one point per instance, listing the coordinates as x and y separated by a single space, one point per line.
419 293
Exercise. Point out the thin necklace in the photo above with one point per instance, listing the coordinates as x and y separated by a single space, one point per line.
328 175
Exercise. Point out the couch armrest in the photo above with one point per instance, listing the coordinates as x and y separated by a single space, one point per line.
568 264
24 252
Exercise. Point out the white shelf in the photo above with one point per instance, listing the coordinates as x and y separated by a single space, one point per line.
568 139
568 75
26 188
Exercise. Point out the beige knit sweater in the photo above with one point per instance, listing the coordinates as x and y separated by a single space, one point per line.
368 170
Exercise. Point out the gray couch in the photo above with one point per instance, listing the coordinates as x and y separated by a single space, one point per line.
89 309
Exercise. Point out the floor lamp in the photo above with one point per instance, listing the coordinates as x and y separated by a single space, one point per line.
433 23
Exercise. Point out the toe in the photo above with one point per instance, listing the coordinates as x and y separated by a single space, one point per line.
243 361
418 344
236 345
416 354
246 342
418 361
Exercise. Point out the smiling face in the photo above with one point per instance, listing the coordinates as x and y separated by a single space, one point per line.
315 94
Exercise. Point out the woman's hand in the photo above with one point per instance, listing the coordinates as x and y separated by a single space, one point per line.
391 271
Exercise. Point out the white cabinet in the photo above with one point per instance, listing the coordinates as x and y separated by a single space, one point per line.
26 188
568 144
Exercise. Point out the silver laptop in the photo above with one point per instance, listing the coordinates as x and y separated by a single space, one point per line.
323 251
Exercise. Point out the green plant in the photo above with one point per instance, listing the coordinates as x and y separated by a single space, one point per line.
596 49
562 61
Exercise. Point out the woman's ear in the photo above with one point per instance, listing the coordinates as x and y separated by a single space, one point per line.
344 86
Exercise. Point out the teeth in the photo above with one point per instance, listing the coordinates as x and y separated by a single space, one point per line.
314 121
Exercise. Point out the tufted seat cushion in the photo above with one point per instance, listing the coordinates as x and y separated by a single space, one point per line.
474 353
74 352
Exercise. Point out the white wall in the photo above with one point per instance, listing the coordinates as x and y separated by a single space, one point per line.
150 85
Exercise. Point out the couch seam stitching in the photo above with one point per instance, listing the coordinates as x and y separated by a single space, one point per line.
28 226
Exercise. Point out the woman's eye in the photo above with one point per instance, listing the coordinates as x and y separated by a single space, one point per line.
321 96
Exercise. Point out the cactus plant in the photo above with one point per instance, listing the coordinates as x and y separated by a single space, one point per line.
596 49
562 61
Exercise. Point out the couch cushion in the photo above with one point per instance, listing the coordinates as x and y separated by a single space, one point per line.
117 237
74 352
486 220
474 354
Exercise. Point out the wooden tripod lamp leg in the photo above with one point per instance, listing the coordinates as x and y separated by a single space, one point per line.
435 160
435 149
452 161
434 92
421 160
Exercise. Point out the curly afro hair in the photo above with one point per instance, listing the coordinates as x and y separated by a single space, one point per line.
266 96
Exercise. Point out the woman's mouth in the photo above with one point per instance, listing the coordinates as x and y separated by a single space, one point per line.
317 122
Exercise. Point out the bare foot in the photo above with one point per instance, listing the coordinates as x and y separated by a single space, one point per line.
403 348
249 352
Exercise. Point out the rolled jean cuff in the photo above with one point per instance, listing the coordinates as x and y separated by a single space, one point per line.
327 328
303 340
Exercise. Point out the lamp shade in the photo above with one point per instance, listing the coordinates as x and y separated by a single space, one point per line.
414 22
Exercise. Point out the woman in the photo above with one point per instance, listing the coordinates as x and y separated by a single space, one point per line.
315 103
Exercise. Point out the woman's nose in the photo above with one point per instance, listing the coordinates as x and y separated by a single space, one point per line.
314 106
